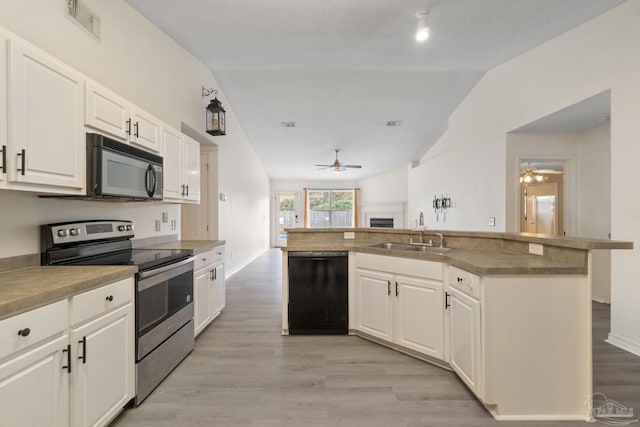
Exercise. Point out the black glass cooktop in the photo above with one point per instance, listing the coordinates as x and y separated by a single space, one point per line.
145 259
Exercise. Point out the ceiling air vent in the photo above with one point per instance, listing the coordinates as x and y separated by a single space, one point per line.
82 16
288 124
394 123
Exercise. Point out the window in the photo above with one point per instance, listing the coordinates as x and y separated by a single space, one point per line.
330 208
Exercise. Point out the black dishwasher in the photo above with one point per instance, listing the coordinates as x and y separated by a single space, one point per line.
318 293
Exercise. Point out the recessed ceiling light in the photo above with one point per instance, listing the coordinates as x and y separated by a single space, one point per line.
288 124
393 123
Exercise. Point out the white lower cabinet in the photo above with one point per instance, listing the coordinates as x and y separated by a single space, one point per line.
405 309
465 338
103 381
209 295
34 388
70 363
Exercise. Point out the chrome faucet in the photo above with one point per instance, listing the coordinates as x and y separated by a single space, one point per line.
441 239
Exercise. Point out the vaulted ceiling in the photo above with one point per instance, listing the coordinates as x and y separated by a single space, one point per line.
341 69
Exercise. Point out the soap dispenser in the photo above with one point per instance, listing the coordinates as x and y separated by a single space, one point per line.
421 222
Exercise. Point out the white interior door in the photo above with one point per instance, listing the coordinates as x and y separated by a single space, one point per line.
541 214
286 209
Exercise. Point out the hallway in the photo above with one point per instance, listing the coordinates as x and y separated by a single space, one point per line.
244 373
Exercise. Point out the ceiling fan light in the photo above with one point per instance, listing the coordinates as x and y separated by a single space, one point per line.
422 32
527 179
539 178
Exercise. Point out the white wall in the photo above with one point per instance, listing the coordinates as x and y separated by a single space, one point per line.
469 160
138 61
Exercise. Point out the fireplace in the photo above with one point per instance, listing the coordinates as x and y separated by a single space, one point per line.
381 222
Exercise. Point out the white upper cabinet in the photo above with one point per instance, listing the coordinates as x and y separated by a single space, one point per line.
3 112
107 111
181 166
45 146
114 115
191 162
172 164
145 130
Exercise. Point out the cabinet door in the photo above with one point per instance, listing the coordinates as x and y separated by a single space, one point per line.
3 112
34 388
145 130
219 291
465 339
202 297
172 143
104 362
46 136
191 168
419 315
374 303
106 111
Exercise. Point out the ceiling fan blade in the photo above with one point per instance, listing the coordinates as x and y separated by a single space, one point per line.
352 166
324 166
548 171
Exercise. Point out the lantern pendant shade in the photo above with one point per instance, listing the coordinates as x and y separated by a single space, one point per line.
215 121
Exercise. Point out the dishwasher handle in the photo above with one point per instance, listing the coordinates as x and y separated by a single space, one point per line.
318 254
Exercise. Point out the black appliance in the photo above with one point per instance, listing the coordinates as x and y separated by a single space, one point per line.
318 293
164 289
381 222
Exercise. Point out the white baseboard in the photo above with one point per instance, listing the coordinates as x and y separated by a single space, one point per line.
623 343
228 274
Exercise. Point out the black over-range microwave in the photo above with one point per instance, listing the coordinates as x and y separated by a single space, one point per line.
120 171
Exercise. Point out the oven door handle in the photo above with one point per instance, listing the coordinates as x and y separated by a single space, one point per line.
146 274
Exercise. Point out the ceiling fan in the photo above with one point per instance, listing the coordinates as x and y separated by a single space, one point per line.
530 175
338 167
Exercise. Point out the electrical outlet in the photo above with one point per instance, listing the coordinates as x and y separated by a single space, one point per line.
349 235
173 224
165 217
492 221
536 249
157 225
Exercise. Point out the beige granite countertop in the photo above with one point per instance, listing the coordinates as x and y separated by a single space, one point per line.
28 288
197 246
476 261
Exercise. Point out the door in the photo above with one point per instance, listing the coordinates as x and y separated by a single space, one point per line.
286 215
374 310
419 315
103 378
46 106
465 338
34 387
541 213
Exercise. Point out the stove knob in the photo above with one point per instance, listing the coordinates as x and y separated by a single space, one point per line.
129 227
62 233
122 227
74 231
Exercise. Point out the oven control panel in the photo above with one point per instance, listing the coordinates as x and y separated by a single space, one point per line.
76 232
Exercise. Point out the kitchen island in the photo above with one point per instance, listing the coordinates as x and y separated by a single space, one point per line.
510 313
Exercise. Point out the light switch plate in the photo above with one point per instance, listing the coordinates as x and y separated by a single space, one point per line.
157 225
536 249
165 217
492 221
349 235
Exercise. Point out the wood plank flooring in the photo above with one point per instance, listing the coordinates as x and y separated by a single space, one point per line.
244 373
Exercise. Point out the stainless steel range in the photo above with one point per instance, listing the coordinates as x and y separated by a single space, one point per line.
164 289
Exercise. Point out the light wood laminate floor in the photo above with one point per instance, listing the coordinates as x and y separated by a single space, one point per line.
244 373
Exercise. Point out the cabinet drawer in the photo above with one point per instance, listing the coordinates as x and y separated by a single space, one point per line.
37 325
212 256
101 300
464 281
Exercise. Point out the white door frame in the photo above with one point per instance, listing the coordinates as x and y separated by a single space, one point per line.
276 214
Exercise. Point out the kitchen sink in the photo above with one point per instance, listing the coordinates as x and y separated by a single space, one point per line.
413 248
